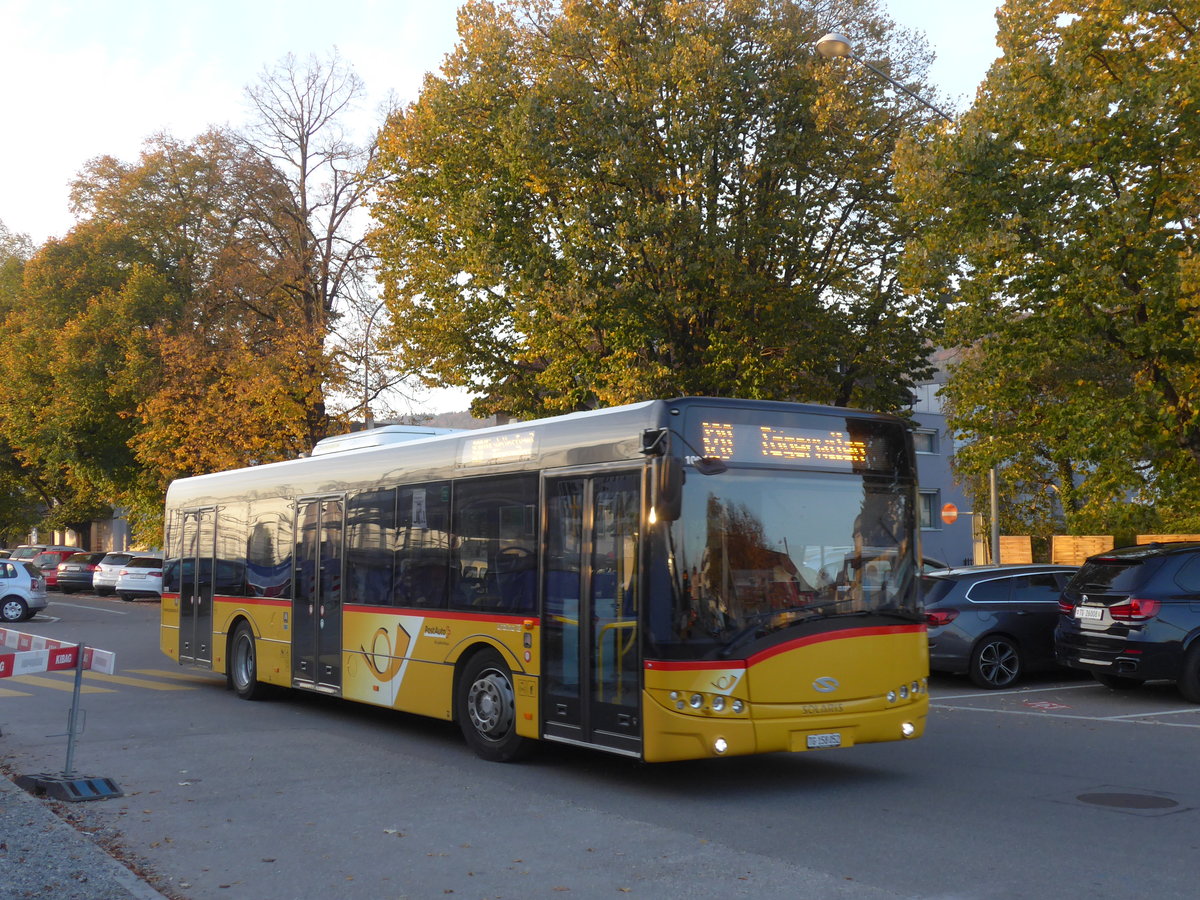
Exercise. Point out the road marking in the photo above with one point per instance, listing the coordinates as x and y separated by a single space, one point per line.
137 682
1129 720
5 692
1061 687
112 612
1166 712
182 676
39 681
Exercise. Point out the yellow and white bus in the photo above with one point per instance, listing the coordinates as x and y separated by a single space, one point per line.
666 580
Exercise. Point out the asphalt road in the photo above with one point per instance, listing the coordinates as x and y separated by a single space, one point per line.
1061 787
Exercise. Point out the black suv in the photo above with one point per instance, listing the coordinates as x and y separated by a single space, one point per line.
994 623
1133 614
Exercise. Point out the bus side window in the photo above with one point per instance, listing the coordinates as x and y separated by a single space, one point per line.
495 539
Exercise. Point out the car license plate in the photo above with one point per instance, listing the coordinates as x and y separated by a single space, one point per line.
135 576
1089 612
824 741
70 568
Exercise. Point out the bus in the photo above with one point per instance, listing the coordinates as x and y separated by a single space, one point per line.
667 580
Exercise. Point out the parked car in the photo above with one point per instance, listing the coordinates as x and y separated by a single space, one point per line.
76 571
1133 614
4 554
104 580
28 551
22 590
994 623
48 561
140 577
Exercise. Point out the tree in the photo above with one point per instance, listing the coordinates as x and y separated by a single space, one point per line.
1061 219
601 201
298 133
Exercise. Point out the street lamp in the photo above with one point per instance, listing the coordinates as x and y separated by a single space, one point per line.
835 45
368 419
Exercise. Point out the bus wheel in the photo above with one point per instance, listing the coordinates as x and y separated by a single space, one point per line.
487 709
243 665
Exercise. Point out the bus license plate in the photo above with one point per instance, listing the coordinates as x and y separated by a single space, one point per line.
824 741
1089 612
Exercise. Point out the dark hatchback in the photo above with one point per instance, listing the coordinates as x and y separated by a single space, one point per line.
1133 615
76 571
994 623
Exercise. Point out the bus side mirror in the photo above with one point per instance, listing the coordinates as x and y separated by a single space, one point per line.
670 489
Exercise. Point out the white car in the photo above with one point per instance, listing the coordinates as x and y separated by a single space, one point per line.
22 590
104 579
140 577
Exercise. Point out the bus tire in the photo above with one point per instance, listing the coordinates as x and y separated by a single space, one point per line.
243 665
486 708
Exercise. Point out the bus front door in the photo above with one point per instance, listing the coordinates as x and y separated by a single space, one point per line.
196 586
317 609
591 646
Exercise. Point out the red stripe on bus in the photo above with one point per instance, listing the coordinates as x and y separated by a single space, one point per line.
807 640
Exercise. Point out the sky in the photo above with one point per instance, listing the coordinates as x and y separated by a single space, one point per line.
84 78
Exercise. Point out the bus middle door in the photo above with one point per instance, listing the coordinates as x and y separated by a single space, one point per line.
591 647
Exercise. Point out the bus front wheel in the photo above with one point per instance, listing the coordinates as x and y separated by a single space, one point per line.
487 708
243 665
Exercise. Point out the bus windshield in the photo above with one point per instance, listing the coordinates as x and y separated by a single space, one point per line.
757 553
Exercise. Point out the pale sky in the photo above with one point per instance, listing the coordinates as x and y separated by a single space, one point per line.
84 78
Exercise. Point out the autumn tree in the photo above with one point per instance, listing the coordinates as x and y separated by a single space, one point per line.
601 201
299 131
1060 220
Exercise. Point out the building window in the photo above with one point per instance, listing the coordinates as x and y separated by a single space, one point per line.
925 441
930 506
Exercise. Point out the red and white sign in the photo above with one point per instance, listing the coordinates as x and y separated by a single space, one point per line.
949 513
28 654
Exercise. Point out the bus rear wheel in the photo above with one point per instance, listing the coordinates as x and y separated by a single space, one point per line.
487 709
243 665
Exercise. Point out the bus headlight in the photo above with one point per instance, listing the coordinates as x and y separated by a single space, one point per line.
908 729
720 745
891 696
718 703
738 706
697 701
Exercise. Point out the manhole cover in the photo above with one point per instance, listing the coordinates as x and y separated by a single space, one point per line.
1128 801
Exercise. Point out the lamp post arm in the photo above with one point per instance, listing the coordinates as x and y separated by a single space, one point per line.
906 90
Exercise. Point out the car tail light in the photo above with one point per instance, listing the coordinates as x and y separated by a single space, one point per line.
1065 606
155 574
938 617
123 572
1135 610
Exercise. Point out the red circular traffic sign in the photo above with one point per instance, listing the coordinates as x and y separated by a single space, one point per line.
949 513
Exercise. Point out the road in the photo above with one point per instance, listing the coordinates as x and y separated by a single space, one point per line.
1060 787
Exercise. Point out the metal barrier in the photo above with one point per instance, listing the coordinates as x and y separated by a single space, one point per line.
29 654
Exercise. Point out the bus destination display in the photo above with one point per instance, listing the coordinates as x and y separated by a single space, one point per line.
819 447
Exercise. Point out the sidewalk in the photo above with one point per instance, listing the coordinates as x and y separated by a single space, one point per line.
41 856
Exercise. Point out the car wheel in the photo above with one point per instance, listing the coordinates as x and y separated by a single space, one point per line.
487 709
1189 675
1117 682
13 609
995 662
243 665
